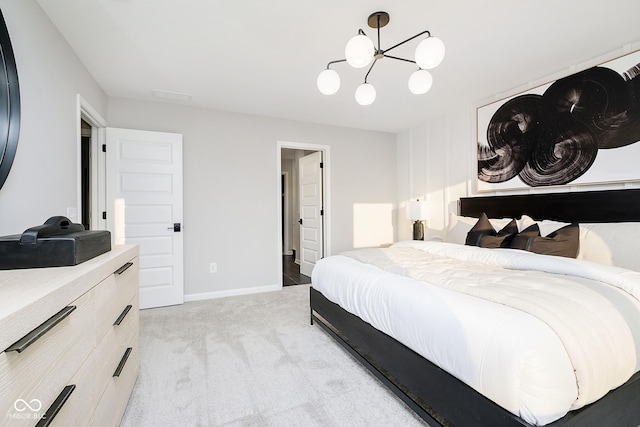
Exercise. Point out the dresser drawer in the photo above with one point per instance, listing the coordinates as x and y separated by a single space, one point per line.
114 294
78 409
113 346
113 402
38 372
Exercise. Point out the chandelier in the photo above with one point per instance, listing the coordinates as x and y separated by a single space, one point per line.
360 51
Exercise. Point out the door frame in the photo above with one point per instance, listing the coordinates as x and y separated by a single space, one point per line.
98 162
326 188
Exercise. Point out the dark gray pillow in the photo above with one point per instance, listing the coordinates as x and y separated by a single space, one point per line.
502 239
531 231
564 242
523 239
483 234
481 228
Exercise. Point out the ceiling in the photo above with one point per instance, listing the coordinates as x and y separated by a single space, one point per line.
263 57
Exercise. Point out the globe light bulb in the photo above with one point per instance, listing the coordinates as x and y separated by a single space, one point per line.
328 82
365 94
429 53
359 51
420 82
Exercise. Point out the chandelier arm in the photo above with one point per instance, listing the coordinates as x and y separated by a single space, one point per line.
409 39
335 62
378 33
370 68
399 59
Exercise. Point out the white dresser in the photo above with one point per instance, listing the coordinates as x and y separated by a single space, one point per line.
69 341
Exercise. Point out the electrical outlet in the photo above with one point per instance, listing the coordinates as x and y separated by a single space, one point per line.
213 267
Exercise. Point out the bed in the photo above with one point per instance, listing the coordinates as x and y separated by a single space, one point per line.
410 361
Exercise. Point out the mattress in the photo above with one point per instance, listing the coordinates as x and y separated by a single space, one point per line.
538 335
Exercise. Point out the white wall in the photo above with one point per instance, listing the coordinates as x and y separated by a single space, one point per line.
231 187
435 163
43 179
436 160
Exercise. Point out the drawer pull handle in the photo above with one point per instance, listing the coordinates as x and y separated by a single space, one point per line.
122 362
122 315
123 268
56 406
38 332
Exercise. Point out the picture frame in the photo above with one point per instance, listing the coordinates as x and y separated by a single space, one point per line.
578 130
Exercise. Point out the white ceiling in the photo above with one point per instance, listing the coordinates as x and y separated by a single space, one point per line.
263 57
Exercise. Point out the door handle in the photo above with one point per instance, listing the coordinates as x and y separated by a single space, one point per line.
175 228
38 332
300 221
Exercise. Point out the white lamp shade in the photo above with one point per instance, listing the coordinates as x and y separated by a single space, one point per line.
359 51
365 94
420 82
328 82
429 53
417 210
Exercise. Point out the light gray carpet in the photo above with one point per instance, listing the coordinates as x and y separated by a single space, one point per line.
252 360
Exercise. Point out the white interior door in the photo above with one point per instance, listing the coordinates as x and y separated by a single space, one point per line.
311 232
144 207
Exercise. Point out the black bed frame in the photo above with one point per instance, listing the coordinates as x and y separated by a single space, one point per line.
441 399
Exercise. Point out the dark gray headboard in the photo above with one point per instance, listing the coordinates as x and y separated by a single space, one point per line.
583 206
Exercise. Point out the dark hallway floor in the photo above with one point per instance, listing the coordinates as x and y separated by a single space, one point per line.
291 272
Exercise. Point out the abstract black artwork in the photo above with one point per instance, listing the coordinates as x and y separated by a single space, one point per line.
581 129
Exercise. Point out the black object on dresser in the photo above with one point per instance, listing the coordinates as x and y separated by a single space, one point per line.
58 242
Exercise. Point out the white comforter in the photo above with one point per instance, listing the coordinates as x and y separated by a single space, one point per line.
539 335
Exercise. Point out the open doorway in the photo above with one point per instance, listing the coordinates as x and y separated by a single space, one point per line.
303 220
86 169
91 168
290 188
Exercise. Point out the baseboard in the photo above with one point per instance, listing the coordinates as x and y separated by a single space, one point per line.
231 293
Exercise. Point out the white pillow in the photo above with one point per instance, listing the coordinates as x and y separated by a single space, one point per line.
524 222
547 226
459 226
612 243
